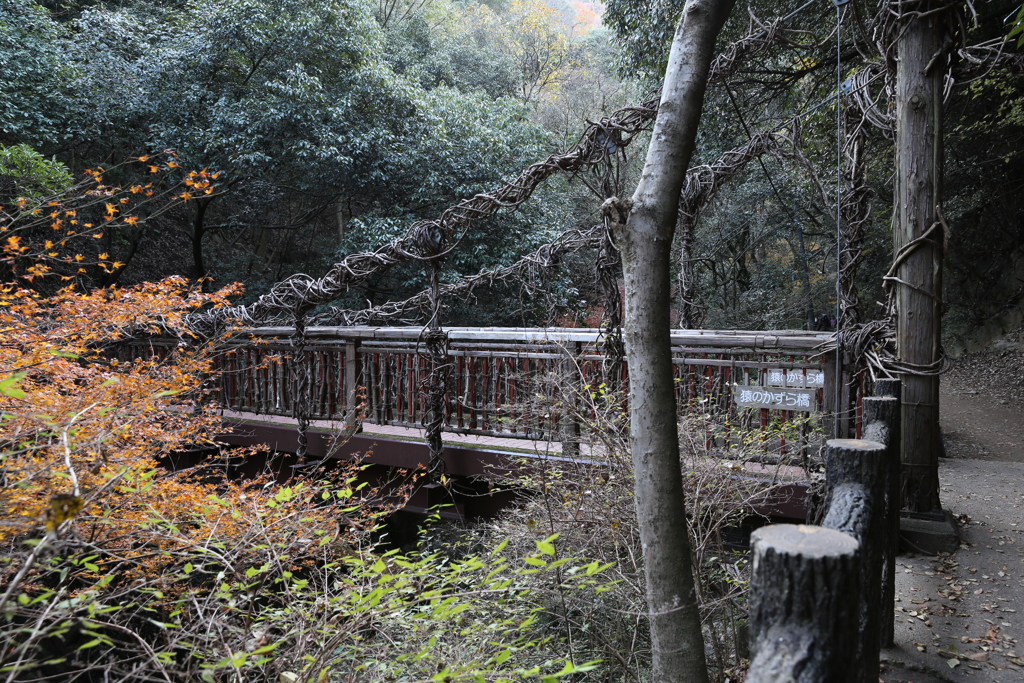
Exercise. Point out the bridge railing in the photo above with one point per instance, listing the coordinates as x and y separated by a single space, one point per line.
494 388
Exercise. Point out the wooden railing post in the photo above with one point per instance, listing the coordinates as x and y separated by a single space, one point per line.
855 476
804 591
829 404
568 422
882 424
351 382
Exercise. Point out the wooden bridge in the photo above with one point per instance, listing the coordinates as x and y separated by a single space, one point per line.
509 396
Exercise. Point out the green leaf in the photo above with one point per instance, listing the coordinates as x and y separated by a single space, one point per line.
236 660
266 648
595 568
8 386
92 643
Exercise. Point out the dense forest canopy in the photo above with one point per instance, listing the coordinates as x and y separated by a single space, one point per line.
153 153
337 124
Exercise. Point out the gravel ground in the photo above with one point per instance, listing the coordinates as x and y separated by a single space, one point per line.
961 617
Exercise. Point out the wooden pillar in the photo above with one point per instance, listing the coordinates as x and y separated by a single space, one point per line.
804 590
351 383
836 416
572 385
918 193
855 475
888 413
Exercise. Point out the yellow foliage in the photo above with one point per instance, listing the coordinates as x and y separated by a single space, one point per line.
88 424
542 42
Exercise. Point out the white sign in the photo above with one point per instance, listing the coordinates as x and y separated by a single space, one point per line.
775 398
795 378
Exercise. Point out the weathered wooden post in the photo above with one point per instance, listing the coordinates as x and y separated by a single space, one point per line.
837 417
855 474
572 385
804 591
351 383
918 247
882 424
829 404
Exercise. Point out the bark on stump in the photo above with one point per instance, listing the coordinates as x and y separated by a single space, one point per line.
804 592
882 420
855 475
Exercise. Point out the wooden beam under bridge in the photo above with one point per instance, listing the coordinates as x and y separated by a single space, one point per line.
471 467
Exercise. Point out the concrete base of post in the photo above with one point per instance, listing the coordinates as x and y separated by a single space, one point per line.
929 536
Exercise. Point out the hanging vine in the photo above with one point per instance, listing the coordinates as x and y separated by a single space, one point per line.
300 406
434 385
599 141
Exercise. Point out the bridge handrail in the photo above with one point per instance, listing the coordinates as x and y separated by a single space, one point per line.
745 339
492 371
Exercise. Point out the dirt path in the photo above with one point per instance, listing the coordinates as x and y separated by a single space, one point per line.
982 403
980 426
961 618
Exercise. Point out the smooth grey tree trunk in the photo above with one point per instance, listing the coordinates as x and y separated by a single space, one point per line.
644 228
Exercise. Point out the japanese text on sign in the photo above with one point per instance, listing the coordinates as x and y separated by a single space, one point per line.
795 378
771 397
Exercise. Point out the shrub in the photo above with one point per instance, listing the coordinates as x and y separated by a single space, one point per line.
27 173
115 566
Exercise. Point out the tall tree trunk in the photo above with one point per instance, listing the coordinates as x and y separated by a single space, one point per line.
198 231
645 227
919 242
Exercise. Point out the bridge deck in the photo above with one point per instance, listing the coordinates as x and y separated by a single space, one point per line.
469 455
415 434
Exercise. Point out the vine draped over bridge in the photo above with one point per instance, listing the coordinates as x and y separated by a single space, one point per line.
431 240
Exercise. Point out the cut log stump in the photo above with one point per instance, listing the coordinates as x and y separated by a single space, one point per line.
804 611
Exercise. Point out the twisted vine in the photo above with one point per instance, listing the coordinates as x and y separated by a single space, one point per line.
430 239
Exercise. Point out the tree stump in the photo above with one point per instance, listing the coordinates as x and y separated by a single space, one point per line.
855 476
804 590
882 420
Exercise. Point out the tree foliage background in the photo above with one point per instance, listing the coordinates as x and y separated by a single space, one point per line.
269 137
